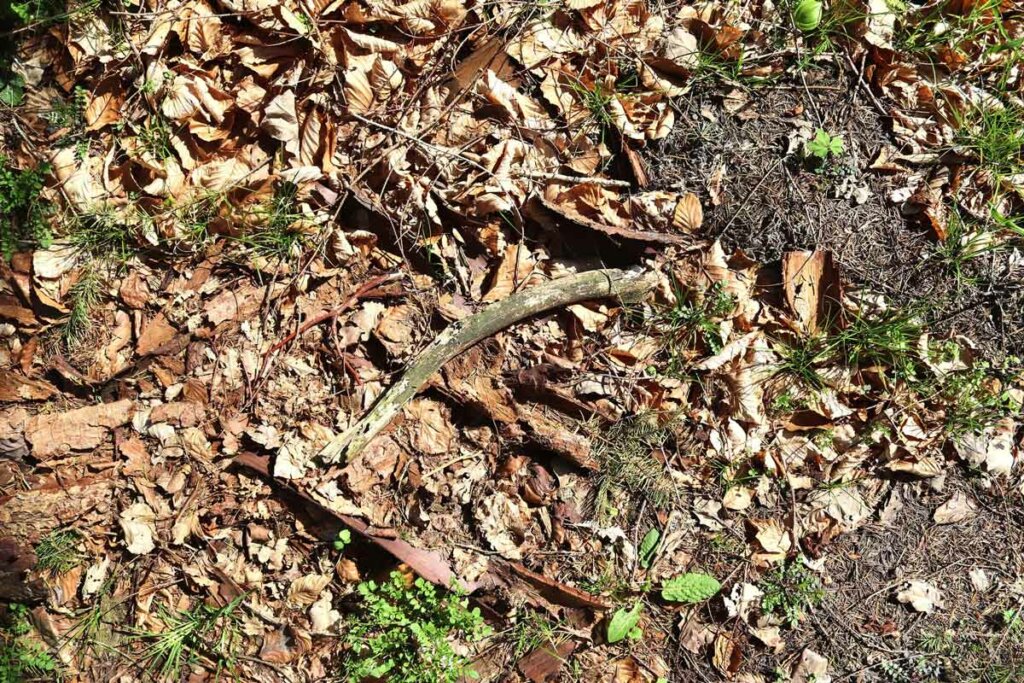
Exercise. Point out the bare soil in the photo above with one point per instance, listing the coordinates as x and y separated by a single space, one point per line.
770 205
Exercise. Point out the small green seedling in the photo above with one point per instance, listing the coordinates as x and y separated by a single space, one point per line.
59 551
825 146
648 547
791 591
623 624
21 658
203 632
807 15
343 539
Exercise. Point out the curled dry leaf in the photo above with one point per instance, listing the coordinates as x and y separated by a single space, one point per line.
921 596
304 590
138 523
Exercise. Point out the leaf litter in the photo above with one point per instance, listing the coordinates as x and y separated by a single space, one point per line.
257 217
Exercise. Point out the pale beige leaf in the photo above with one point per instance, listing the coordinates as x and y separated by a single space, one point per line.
957 509
921 596
280 119
138 523
304 590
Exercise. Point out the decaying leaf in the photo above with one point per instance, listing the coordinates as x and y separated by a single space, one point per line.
138 522
921 596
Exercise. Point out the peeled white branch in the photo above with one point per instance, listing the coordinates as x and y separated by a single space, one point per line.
622 285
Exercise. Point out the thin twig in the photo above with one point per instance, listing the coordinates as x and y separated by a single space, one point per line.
363 290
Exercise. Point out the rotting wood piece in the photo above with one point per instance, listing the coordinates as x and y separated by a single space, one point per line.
626 286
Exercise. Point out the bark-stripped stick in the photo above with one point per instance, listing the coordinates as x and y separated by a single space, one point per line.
626 286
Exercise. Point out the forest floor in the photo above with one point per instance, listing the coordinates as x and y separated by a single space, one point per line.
230 227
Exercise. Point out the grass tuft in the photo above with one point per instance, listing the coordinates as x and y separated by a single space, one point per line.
994 136
82 298
202 633
280 235
58 551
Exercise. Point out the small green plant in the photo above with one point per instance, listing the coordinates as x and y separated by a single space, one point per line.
994 136
23 659
342 540
68 116
790 591
825 146
936 641
405 633
82 299
887 339
155 137
624 624
203 633
807 15
690 588
532 632
648 547
58 551
963 244
788 402
975 400
101 233
692 322
802 357
280 234
34 12
23 215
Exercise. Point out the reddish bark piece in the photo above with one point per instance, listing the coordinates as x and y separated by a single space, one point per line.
426 563
543 664
77 430
15 387
553 591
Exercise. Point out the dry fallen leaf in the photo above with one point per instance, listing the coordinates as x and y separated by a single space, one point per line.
688 215
957 509
304 590
138 522
810 668
921 596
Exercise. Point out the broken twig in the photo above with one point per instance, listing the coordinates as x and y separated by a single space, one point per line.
627 286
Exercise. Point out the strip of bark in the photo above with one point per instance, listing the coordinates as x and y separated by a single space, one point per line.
625 286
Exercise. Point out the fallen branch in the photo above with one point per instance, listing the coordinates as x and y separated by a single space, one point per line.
626 286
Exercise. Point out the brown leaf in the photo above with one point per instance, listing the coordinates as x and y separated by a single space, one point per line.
727 657
275 648
134 291
578 205
155 335
304 590
688 216
628 671
104 107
